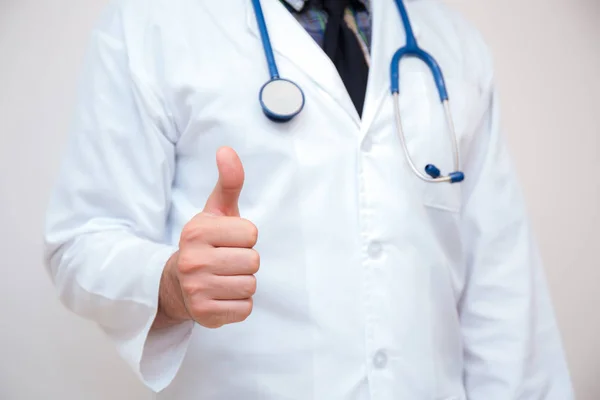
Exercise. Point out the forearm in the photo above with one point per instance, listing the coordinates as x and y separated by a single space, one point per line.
108 276
113 278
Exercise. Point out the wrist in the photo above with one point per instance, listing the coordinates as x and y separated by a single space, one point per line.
171 305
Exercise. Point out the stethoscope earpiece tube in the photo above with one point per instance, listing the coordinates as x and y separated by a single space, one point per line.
412 49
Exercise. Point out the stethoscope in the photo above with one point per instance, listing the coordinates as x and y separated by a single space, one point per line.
282 99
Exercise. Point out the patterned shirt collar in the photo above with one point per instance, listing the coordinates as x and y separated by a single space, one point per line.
298 5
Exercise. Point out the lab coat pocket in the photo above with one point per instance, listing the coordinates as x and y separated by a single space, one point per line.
429 135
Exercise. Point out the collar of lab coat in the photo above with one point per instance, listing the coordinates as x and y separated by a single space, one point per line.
290 40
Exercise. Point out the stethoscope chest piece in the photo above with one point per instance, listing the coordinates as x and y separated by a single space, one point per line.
281 99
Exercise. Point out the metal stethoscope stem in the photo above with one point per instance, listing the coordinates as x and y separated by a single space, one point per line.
433 173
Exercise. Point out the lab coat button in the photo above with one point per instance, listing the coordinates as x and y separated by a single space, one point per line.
380 360
375 249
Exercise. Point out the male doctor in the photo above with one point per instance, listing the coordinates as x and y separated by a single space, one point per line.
373 284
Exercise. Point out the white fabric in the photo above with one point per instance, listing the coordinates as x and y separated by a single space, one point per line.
373 284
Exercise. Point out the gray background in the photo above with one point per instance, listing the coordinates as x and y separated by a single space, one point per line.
548 65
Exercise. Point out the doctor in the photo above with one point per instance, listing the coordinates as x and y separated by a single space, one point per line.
231 256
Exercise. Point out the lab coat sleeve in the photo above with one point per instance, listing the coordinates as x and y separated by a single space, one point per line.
512 345
105 233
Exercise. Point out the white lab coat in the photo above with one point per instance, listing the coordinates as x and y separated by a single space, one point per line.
373 284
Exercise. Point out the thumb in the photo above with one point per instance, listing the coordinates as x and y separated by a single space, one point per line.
224 198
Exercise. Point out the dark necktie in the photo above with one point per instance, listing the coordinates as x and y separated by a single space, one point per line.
343 48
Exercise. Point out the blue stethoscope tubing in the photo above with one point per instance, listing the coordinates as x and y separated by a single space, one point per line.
411 49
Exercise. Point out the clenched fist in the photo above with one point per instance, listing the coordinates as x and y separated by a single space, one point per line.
211 278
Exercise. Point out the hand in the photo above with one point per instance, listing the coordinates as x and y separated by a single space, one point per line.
211 278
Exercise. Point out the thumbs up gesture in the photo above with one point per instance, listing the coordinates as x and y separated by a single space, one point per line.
211 278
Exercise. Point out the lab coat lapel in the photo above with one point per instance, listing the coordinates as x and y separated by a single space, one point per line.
290 40
388 36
